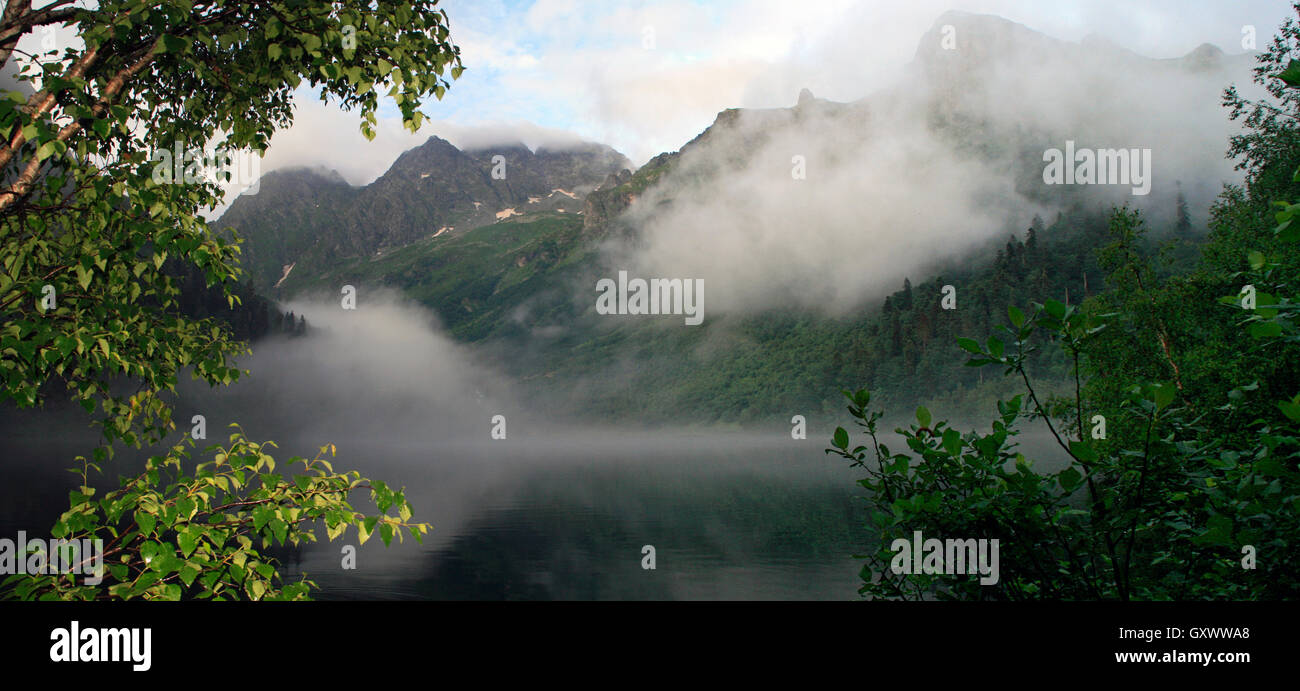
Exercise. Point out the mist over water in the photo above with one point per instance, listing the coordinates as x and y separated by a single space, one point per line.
554 510
384 370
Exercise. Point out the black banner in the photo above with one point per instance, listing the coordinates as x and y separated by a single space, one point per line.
944 640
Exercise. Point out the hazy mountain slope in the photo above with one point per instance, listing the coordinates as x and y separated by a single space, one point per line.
928 179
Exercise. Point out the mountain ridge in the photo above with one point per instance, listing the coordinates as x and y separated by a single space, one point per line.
517 286
313 219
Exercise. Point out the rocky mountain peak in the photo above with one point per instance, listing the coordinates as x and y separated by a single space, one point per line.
314 219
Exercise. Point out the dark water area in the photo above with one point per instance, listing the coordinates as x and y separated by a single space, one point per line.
567 520
730 516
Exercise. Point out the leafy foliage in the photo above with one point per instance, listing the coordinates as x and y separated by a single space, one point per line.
1158 515
81 209
96 229
168 534
1192 490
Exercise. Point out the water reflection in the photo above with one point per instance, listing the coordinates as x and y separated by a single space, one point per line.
568 521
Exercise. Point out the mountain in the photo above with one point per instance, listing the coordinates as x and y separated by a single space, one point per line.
935 180
294 211
302 221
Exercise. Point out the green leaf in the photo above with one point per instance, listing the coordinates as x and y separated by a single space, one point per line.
145 521
260 517
1163 394
1291 75
1069 479
280 529
1017 316
969 345
173 44
1265 329
841 438
995 346
1218 531
1082 451
952 442
923 416
187 540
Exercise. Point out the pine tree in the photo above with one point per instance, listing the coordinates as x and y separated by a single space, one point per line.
1183 226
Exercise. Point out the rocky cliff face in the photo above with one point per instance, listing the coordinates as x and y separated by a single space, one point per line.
312 219
276 223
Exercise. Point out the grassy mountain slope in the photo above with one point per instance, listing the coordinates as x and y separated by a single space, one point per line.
522 287
314 221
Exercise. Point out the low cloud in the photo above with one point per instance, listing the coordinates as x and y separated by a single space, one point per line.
360 161
910 178
382 371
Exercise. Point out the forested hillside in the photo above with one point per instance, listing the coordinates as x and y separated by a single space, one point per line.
510 265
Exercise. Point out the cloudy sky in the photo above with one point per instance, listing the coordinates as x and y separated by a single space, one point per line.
645 76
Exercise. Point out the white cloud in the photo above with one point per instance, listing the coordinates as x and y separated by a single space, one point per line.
593 72
581 69
886 197
324 136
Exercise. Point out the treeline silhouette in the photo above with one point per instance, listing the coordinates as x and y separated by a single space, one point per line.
252 318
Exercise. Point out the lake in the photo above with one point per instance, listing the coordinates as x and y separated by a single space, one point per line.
728 518
731 516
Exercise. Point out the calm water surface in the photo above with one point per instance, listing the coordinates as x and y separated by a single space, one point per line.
564 519
730 516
